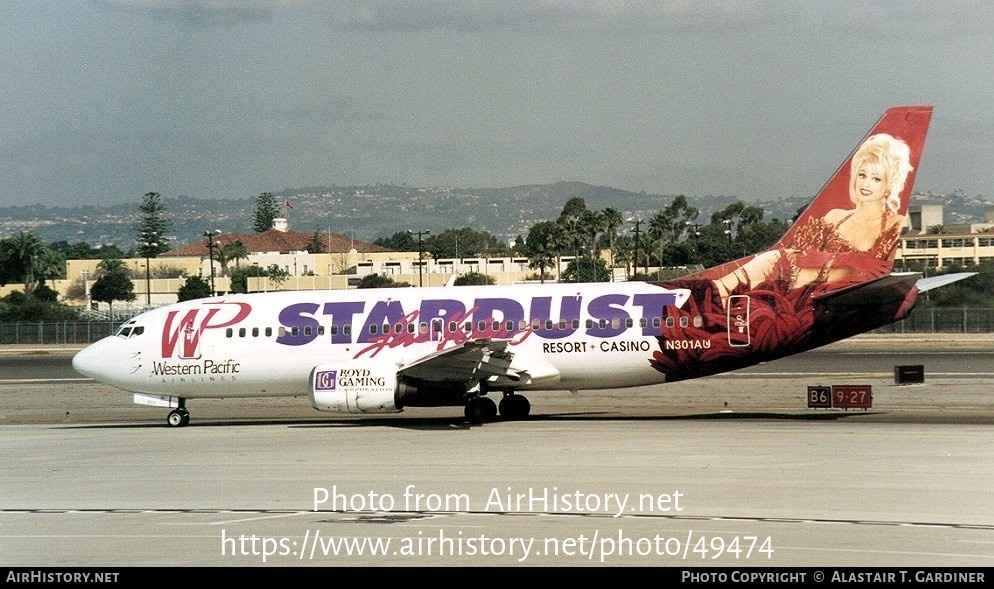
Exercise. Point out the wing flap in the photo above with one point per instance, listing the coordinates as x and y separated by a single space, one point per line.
475 361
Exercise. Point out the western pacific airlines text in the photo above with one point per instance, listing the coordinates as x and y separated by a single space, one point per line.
207 367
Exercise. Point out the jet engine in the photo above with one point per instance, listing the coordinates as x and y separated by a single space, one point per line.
355 387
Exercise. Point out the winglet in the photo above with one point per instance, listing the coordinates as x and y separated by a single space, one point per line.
926 284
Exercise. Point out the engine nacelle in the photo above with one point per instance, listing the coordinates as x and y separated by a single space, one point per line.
355 387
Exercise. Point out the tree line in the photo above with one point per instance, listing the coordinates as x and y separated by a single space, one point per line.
596 241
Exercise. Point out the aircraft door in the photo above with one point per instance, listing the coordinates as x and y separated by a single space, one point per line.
437 330
738 321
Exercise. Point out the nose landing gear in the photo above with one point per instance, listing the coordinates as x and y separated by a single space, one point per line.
179 417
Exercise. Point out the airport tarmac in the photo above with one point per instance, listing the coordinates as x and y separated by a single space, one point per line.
728 471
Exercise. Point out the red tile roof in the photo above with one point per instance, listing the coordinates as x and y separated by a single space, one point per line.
277 241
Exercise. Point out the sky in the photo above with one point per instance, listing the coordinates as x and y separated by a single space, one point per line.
102 101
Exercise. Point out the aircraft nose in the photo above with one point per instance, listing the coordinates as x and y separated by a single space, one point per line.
93 361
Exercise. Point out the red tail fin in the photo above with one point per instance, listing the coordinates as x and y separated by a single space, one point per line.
894 147
849 232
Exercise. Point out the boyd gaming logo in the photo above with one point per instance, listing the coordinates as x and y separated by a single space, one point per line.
182 330
325 380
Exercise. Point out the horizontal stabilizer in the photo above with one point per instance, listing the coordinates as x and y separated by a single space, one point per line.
926 284
868 294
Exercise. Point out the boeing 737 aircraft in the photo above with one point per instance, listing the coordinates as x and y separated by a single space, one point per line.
383 350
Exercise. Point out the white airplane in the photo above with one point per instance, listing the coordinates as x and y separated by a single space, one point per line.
383 350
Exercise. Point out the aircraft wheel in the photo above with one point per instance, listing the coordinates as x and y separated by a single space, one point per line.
514 407
178 418
481 410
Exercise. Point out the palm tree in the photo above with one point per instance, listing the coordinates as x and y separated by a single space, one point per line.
559 241
25 249
108 265
541 259
625 246
569 234
612 220
592 223
229 252
49 265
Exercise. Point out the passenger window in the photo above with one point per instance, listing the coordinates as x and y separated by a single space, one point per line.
684 322
255 332
229 332
670 322
698 321
241 332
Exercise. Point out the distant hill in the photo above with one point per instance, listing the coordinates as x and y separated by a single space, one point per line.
374 211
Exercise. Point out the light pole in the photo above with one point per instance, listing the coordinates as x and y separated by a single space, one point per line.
210 254
147 246
421 261
636 254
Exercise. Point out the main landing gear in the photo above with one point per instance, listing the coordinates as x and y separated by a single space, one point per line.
482 409
179 417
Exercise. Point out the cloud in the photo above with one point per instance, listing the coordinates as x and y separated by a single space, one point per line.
846 17
468 15
207 12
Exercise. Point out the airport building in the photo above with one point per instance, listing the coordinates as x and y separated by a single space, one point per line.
929 243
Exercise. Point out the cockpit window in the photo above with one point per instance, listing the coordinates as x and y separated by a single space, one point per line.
129 330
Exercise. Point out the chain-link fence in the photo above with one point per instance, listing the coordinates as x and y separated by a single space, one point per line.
927 320
56 332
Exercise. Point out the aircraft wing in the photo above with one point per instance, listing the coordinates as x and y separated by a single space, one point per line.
473 361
